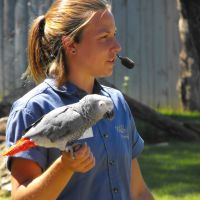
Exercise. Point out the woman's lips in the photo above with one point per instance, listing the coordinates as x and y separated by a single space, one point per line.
112 60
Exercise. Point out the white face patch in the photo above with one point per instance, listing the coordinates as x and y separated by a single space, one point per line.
87 134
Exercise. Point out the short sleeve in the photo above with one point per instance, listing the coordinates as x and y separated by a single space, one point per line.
18 121
137 143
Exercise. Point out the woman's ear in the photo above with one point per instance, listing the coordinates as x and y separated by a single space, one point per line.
68 45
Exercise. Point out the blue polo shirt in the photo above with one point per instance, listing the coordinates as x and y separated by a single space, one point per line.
114 143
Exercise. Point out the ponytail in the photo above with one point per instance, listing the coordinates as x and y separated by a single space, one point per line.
43 54
38 58
59 69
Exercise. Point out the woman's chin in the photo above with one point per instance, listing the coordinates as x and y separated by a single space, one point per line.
106 74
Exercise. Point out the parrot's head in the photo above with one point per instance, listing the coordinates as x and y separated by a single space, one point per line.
98 106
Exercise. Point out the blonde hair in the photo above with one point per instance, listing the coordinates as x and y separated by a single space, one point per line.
45 49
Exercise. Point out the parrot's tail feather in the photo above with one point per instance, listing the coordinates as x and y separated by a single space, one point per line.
21 145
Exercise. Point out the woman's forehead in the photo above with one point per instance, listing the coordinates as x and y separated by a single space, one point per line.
102 21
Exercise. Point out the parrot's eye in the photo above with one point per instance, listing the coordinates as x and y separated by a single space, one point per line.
102 104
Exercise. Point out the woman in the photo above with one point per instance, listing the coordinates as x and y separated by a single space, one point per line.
69 47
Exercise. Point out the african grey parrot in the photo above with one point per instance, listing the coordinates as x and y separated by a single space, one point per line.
64 125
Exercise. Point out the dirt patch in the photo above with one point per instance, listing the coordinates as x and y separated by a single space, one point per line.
5 179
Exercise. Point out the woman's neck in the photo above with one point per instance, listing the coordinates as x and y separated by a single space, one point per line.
84 83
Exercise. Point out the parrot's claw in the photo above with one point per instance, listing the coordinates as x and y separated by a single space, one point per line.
72 149
72 153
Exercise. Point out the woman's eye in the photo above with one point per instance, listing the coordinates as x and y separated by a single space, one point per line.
104 36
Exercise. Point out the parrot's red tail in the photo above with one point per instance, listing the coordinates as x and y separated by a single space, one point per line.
21 145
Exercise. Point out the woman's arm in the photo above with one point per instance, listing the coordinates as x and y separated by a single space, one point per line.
29 183
139 189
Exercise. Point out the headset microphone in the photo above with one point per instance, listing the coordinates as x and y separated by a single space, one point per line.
127 62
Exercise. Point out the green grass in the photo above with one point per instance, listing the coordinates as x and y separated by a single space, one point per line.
169 111
181 115
172 172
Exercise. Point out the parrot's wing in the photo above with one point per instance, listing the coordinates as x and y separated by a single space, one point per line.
68 125
40 125
34 124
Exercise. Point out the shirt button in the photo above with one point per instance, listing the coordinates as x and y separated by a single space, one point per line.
105 135
115 190
111 162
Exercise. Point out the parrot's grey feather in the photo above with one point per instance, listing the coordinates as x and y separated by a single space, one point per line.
42 125
34 124
61 128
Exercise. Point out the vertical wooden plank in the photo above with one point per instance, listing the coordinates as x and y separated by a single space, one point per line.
147 74
21 23
143 52
37 8
44 6
176 50
8 29
151 71
172 52
133 47
121 23
159 27
1 51
32 10
111 78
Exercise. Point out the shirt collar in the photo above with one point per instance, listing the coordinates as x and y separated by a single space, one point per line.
71 89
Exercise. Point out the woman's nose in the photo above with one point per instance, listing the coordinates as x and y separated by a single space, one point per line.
117 46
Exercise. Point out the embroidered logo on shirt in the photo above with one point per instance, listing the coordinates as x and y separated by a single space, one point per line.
122 130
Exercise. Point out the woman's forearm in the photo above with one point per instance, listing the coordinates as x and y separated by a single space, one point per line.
47 186
144 195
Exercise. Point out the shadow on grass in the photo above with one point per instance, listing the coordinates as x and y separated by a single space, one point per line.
152 134
173 169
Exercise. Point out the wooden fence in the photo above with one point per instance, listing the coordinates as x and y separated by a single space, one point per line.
147 31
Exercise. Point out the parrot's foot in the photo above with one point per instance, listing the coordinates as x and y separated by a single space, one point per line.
72 149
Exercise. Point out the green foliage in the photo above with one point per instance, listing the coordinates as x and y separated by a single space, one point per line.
172 171
125 84
5 195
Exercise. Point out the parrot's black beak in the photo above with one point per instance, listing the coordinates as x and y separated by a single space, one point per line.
109 115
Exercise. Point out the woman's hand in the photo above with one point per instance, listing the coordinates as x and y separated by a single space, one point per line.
83 162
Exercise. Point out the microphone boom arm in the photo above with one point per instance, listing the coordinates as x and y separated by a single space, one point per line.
127 62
